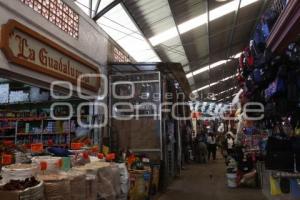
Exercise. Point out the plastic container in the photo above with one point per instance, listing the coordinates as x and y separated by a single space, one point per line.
231 180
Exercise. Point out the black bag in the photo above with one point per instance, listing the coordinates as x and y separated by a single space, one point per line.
269 17
280 160
285 185
297 157
281 144
280 155
296 145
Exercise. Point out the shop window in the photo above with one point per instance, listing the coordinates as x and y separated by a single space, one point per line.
58 13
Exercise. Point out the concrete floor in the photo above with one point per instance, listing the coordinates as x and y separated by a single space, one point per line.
195 183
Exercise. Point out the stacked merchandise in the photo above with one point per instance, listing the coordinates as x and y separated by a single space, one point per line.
37 96
46 178
246 153
18 96
274 80
65 127
4 91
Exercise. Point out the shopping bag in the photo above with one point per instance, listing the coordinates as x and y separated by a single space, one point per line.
275 189
297 129
295 188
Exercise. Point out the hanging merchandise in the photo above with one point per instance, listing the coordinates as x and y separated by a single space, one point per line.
275 88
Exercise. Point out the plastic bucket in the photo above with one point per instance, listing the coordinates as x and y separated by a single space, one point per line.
231 180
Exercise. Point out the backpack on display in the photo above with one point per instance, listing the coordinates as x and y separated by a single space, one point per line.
246 60
265 31
258 36
275 88
269 18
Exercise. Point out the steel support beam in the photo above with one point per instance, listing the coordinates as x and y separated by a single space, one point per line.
179 35
91 8
97 6
106 9
232 32
208 38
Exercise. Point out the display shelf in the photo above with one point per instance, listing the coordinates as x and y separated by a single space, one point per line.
10 136
26 119
7 128
56 145
286 28
32 134
39 102
55 133
28 134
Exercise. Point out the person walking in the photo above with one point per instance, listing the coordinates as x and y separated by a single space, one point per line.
201 152
229 143
211 146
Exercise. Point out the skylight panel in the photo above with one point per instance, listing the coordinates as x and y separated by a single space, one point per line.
199 20
118 24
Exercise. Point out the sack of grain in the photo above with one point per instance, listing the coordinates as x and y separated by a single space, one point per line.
32 193
18 172
57 186
77 184
91 181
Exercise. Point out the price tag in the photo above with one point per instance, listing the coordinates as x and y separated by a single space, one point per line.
59 163
37 148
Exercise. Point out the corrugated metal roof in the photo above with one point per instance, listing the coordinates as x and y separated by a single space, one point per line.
203 43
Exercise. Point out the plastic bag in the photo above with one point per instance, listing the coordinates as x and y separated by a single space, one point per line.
275 189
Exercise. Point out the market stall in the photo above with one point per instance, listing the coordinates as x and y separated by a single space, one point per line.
266 110
141 121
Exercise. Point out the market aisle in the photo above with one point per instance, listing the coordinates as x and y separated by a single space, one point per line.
195 183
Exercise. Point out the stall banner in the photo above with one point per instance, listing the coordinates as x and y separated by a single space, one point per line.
27 48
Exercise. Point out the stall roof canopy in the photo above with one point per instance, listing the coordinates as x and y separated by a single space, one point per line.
204 36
